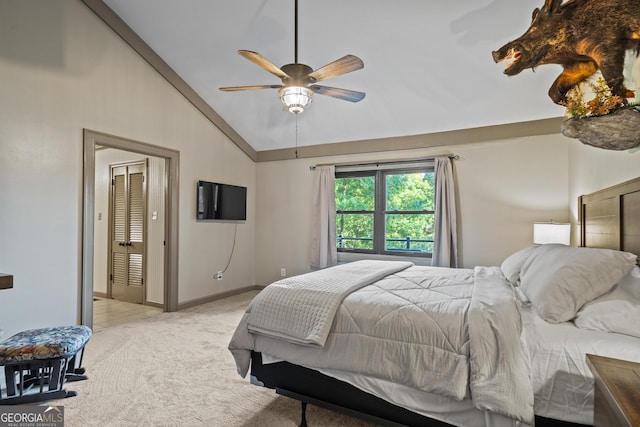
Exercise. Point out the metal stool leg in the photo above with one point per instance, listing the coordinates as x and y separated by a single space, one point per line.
303 421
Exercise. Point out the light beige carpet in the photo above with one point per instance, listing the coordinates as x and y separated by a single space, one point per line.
174 369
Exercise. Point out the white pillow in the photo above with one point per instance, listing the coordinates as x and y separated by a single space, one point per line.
618 311
512 265
631 282
559 279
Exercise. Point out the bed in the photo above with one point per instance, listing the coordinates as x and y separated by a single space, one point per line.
399 344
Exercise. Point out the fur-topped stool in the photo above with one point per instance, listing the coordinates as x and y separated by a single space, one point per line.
38 362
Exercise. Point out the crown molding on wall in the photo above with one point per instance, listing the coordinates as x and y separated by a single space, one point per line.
438 139
114 22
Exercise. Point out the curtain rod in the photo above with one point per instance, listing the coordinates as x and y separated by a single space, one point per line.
385 162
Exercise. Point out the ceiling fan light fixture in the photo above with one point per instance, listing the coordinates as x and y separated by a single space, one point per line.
296 98
295 92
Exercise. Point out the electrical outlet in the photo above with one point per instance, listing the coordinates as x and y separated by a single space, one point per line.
283 272
219 275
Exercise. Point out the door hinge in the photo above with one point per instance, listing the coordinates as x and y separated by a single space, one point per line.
142 281
111 277
164 243
113 181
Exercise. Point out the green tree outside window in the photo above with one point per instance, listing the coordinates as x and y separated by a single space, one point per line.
388 212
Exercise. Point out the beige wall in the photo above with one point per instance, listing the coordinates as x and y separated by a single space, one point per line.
62 70
503 188
592 169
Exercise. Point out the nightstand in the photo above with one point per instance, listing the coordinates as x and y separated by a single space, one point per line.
617 391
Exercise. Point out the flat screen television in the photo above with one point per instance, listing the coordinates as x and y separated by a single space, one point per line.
221 201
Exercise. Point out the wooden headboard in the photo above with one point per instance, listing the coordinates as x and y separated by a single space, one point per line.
610 218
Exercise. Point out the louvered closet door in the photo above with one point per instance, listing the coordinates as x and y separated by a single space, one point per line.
127 243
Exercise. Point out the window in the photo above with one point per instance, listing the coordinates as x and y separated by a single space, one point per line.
385 211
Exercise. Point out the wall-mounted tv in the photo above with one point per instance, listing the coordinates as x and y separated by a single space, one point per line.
221 201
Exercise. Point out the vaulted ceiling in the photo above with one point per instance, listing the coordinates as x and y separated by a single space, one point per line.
427 64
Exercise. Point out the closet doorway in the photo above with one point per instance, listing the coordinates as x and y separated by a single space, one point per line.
167 161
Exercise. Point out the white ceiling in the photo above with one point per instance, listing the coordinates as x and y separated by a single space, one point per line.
428 65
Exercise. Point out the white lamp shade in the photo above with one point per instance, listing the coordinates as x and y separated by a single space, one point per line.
296 98
551 232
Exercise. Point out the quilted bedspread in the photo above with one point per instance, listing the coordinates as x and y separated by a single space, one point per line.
413 327
301 309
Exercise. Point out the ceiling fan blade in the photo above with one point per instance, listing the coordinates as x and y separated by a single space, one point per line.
334 92
263 62
240 88
344 65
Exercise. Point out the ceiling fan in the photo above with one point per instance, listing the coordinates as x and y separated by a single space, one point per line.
298 80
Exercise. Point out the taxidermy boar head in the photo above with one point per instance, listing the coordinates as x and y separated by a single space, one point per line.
531 49
582 36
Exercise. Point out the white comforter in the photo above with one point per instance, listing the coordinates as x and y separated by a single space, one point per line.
301 309
455 332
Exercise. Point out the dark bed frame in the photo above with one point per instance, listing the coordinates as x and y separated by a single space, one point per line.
312 387
608 218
